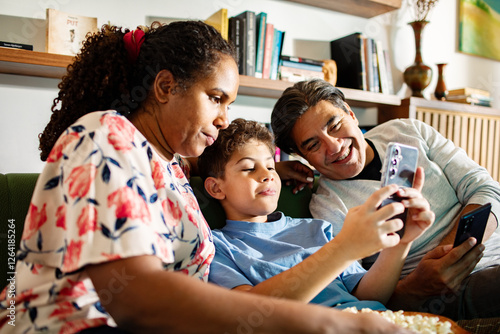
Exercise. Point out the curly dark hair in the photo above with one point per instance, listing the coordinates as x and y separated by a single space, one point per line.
101 76
213 160
294 102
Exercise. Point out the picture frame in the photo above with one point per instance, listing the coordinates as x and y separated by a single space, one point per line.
479 28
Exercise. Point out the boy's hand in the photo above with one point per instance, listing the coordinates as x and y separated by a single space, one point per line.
420 217
367 229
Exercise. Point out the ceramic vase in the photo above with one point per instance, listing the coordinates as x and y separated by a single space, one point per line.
418 76
441 92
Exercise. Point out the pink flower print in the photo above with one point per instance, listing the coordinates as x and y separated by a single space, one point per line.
158 177
129 204
164 249
61 217
111 257
72 256
57 151
87 221
35 268
177 171
172 212
74 290
121 132
63 310
34 220
191 201
80 179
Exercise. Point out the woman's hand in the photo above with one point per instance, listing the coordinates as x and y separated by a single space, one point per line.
293 171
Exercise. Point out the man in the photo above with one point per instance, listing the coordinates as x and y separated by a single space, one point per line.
312 119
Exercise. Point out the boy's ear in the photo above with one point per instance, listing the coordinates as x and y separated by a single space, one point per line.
213 189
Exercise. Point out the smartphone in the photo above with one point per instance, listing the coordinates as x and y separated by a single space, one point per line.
473 224
399 167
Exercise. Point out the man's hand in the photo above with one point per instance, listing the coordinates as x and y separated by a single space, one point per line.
442 270
293 171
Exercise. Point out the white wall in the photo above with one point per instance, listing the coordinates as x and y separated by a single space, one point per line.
26 101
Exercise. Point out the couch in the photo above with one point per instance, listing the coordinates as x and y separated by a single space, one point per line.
16 190
15 196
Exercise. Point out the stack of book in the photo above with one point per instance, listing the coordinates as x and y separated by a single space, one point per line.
296 69
472 96
258 44
362 63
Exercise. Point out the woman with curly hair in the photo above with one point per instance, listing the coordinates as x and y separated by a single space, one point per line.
115 240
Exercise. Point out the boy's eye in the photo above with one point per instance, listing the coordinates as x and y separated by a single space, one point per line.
215 99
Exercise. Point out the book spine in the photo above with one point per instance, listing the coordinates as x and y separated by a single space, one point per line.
382 71
362 53
250 52
388 68
346 53
276 54
305 66
261 33
16 46
236 39
376 79
268 51
369 65
303 60
297 74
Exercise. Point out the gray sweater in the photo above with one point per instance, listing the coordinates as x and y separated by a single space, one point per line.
452 180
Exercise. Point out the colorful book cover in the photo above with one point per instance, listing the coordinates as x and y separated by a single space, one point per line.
66 32
268 51
261 37
278 46
220 21
249 37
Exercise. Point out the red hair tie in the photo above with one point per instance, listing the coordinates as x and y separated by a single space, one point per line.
133 41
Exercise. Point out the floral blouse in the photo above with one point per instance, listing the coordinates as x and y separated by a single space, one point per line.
103 195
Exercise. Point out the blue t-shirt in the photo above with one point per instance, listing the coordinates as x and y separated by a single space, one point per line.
249 253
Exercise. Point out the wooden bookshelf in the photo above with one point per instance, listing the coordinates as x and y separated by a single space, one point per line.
41 64
362 8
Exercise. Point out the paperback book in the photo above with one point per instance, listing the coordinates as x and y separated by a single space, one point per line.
66 32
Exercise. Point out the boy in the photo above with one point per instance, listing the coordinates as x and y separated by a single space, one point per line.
267 253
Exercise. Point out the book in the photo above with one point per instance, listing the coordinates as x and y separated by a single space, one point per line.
278 48
248 32
346 51
303 60
236 38
468 91
293 74
66 32
268 51
473 99
261 21
368 52
388 67
16 46
305 66
376 79
220 21
382 70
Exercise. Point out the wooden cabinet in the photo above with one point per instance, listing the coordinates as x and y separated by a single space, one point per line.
475 129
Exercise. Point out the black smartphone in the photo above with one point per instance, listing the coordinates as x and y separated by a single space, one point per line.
473 224
399 167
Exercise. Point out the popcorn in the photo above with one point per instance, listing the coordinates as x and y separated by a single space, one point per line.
418 323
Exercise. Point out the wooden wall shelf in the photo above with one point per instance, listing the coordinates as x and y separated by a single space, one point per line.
362 8
50 65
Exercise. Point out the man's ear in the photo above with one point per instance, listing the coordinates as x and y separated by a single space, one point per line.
163 85
351 113
213 189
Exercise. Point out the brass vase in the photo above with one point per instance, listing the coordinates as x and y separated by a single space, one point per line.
418 76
